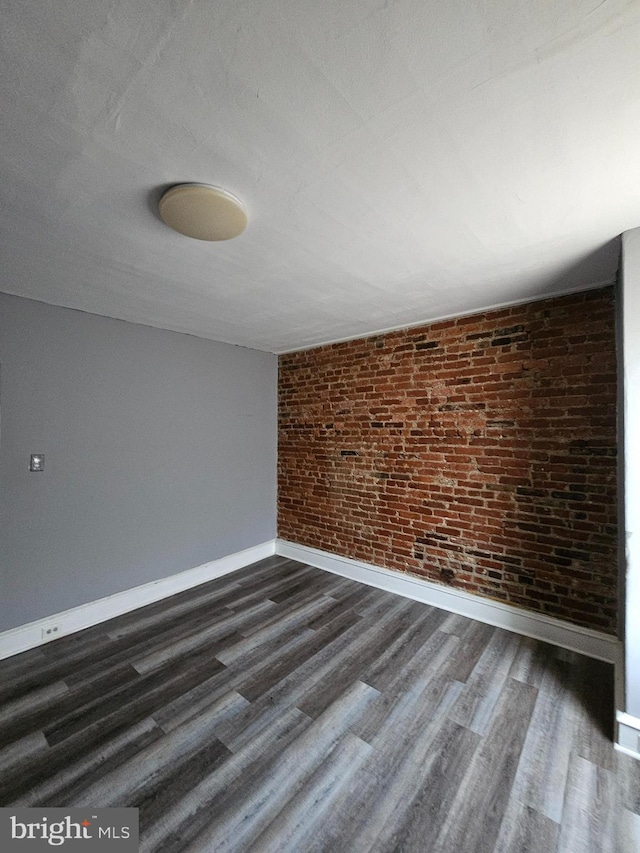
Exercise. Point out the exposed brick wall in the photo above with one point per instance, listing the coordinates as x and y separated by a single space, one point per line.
478 452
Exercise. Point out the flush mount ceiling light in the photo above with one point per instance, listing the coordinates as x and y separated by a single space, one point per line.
203 212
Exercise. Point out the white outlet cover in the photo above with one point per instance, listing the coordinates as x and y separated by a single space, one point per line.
37 462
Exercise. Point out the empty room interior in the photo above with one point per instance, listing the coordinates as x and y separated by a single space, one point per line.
320 424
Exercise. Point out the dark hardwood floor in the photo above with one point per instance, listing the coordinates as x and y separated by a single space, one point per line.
282 708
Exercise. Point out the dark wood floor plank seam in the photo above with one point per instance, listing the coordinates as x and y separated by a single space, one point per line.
482 690
289 619
237 823
190 814
58 776
304 684
374 814
296 825
284 662
541 777
137 777
477 810
419 815
525 829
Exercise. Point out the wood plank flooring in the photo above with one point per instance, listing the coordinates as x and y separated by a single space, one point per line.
282 708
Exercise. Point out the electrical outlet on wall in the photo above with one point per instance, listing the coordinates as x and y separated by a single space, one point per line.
50 632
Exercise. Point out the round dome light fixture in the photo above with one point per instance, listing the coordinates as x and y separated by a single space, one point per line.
203 212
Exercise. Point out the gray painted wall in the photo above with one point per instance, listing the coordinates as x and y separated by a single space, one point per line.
160 455
631 449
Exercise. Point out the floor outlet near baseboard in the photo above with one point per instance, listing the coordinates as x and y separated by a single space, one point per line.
50 632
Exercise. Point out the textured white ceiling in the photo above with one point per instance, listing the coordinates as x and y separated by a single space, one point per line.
400 161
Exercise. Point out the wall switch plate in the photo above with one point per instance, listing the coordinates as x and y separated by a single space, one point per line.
37 462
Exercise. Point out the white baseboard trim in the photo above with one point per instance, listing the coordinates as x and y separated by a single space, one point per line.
628 734
585 641
32 634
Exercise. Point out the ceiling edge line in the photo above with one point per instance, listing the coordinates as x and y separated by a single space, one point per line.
454 316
